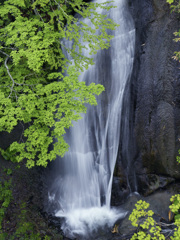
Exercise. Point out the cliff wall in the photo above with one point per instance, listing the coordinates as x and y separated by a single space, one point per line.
155 90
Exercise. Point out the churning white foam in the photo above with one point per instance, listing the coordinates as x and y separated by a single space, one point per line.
88 221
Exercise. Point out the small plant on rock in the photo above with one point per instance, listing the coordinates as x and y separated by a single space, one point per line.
175 208
147 227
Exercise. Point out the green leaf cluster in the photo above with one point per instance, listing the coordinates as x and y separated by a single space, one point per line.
178 157
147 227
175 208
24 230
170 1
175 6
39 84
143 220
5 199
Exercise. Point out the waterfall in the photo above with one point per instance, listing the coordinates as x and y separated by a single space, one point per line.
82 187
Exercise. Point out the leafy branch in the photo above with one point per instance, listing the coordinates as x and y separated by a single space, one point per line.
32 37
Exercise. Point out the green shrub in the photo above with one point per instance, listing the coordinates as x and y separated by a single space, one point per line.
5 199
146 225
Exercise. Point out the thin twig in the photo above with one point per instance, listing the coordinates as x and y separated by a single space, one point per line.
169 234
12 79
4 53
21 138
165 224
37 13
56 15
15 94
5 63
61 8
10 48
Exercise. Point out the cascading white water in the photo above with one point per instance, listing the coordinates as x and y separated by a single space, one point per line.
83 187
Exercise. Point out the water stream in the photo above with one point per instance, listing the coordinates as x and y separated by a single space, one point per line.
83 185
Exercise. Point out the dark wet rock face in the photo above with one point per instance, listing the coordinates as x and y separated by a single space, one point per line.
148 183
156 79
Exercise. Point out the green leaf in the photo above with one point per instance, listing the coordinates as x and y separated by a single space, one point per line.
170 1
40 90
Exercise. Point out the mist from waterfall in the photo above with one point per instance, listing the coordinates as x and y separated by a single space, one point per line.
82 187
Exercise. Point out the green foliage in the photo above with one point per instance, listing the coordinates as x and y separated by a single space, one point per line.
175 208
175 6
5 199
8 171
147 227
178 157
7 155
32 58
25 229
170 1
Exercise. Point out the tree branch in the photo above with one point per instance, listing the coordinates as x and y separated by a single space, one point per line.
12 79
37 13
60 8
5 63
